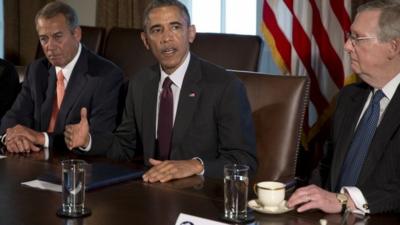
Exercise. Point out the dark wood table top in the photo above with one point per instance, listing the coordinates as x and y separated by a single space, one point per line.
132 202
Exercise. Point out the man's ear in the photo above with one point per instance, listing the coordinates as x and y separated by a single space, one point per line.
396 45
77 32
393 50
144 39
192 33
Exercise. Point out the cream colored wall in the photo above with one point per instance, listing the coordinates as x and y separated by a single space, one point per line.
86 10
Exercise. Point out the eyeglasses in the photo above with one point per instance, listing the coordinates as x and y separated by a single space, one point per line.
355 40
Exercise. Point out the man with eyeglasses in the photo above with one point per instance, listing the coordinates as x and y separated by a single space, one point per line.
363 173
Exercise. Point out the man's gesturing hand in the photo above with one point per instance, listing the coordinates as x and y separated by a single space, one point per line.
77 135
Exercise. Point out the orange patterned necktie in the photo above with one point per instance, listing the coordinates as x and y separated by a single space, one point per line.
57 101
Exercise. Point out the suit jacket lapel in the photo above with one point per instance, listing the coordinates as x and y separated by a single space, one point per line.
389 124
149 101
74 88
189 95
47 106
346 132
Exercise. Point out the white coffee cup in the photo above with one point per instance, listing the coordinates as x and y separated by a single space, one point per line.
270 193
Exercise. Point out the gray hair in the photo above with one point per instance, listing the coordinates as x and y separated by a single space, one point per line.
162 3
389 20
55 8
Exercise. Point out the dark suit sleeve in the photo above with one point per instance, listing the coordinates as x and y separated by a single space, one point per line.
104 108
382 188
236 135
9 86
121 144
383 198
103 112
22 109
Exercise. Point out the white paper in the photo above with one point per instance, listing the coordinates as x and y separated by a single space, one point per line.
186 219
43 185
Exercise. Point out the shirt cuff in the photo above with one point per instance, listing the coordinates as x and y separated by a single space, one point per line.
88 147
46 140
202 163
3 138
358 198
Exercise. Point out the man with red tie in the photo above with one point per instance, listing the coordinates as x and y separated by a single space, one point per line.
58 86
186 115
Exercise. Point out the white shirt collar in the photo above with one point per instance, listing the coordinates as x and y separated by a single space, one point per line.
390 88
178 75
67 70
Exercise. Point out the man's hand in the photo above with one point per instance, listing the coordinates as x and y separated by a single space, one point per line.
314 197
165 171
77 135
36 138
21 144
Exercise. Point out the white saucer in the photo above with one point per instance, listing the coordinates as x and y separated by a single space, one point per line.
256 206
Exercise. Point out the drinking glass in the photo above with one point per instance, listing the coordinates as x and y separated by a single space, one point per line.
236 182
73 189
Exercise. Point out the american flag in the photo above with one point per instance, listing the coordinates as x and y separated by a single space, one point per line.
306 37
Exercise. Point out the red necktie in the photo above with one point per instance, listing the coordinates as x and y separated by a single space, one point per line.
57 100
165 118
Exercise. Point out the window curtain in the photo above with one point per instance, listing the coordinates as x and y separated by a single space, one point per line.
120 13
20 38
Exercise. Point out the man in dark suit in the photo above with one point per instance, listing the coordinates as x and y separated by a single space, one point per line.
364 170
9 86
210 115
58 86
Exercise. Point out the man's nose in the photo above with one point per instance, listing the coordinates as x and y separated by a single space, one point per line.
167 35
51 44
348 46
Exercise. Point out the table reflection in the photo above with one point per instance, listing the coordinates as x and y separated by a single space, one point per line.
73 221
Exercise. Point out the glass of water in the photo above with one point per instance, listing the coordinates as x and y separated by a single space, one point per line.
236 183
73 189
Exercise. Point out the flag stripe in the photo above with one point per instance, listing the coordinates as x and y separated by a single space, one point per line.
327 52
339 9
302 44
271 24
308 36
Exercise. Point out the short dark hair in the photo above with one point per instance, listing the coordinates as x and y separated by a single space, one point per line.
161 3
55 8
389 20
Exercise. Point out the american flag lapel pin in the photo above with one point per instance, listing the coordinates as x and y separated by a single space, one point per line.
192 94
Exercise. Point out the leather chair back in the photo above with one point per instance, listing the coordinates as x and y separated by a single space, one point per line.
231 51
278 105
125 48
92 38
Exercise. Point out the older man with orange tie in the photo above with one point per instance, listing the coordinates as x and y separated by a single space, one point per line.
58 86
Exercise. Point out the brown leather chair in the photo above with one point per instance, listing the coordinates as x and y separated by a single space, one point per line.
231 51
125 48
92 38
278 104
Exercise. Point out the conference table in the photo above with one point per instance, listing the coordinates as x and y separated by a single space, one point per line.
133 202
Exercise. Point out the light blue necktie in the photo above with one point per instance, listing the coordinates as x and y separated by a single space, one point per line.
359 147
